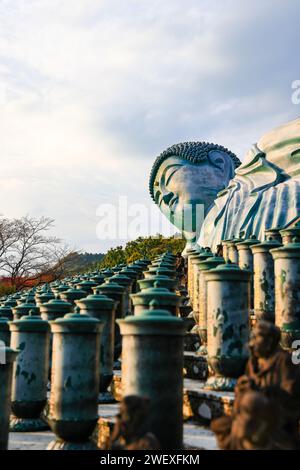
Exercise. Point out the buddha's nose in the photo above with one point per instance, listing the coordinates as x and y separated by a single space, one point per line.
167 197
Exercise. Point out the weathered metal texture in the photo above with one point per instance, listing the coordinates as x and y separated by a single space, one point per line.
287 291
70 295
43 297
61 287
116 292
288 234
6 371
98 278
195 289
164 281
165 299
4 331
274 233
160 270
108 273
224 244
205 265
133 274
31 337
101 307
24 308
152 366
232 251
86 285
73 409
55 308
228 296
245 257
264 280
188 254
190 285
126 282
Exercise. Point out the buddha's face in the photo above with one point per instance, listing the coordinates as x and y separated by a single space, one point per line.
185 191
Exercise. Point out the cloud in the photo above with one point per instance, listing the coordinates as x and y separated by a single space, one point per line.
91 91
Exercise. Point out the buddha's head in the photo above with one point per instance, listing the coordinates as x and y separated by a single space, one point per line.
185 180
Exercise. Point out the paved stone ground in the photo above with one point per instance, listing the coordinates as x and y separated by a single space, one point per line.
195 436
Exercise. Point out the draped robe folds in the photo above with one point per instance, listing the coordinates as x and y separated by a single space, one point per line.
264 193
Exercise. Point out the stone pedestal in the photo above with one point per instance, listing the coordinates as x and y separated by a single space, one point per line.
264 280
164 298
31 337
287 291
152 366
228 292
7 357
204 266
73 409
101 307
117 293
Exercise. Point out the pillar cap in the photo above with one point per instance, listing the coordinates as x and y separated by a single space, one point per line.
30 322
161 294
211 262
228 271
266 245
56 305
234 241
165 281
156 316
96 301
202 257
73 290
76 323
252 240
25 307
289 250
86 283
121 278
294 230
109 286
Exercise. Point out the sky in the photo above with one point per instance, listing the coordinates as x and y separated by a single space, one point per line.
91 91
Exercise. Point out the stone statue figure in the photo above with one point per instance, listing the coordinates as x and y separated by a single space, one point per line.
264 193
266 410
185 180
251 426
131 431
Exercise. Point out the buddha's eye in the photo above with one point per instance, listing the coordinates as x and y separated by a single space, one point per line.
217 159
170 172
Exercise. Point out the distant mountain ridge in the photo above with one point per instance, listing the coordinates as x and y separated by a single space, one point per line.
77 262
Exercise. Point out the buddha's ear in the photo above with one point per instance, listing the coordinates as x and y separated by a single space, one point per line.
222 161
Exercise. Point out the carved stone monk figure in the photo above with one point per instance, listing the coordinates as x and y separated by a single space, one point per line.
185 180
131 429
269 419
251 426
264 193
272 371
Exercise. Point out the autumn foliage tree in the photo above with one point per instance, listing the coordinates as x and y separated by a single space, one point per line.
27 251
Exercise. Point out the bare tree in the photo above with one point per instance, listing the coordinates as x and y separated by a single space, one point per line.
8 236
33 253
